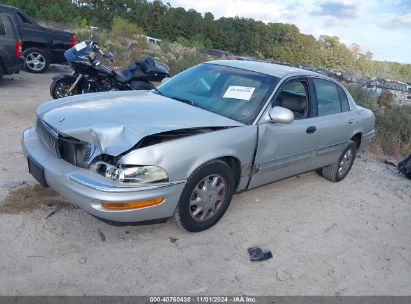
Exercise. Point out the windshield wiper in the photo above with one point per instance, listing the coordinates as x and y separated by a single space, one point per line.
187 101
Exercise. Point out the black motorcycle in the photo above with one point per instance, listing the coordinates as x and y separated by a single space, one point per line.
90 75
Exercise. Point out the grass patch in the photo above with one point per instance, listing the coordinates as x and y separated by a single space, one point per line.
393 122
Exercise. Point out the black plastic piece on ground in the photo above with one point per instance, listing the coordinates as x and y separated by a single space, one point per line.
141 223
257 254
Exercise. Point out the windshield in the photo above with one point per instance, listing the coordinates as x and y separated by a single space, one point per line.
80 52
234 93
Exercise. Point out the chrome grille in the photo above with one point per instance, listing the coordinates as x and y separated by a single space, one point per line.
89 150
48 136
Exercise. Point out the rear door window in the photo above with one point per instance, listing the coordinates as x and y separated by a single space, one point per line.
328 98
2 28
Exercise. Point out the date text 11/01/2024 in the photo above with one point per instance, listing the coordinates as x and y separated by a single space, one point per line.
203 299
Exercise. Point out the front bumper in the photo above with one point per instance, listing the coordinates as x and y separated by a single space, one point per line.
87 189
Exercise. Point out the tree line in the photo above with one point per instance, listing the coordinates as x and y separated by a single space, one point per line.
241 36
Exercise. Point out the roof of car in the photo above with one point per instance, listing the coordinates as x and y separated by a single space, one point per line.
272 69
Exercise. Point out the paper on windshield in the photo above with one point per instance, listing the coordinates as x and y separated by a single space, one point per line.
239 92
80 46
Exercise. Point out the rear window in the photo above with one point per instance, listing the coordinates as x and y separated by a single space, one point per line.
24 18
2 28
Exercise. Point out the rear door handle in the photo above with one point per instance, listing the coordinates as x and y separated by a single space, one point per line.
351 121
311 130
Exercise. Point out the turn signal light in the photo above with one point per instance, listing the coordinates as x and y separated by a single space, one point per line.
132 205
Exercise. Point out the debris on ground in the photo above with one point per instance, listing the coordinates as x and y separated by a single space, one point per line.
173 239
50 214
257 254
101 234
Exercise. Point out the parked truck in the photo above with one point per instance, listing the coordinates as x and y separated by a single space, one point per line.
11 60
41 46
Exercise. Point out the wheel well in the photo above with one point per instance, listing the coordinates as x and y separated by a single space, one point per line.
357 139
235 166
43 47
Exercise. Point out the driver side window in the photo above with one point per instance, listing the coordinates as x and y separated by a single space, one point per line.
294 96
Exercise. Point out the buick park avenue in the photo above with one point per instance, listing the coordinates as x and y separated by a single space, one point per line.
183 149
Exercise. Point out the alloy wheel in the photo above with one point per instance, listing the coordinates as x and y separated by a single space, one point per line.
207 197
345 163
35 61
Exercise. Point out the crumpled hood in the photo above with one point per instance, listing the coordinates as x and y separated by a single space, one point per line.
115 121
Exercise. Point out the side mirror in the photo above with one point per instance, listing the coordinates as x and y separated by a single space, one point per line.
165 80
281 115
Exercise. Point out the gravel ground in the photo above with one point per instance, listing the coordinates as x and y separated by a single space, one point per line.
350 238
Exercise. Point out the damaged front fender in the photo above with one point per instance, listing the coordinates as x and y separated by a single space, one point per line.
180 157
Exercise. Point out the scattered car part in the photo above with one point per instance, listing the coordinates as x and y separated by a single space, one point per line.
257 254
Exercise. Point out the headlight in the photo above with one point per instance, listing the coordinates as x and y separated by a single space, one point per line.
131 174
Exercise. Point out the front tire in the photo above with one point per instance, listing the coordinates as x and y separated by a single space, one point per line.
60 88
36 60
338 171
205 197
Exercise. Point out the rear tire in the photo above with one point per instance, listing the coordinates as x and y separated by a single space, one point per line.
338 171
59 88
36 60
205 197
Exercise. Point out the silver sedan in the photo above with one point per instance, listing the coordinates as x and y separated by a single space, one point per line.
185 148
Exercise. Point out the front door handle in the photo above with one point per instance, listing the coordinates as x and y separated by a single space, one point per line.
311 130
351 121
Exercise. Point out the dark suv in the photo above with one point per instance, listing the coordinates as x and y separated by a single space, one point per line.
41 45
10 47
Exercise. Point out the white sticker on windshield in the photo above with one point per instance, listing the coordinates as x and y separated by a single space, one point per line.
239 92
80 46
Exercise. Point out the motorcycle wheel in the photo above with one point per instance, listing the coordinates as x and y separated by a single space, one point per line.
60 88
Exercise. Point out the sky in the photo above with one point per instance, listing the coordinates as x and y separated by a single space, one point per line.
380 26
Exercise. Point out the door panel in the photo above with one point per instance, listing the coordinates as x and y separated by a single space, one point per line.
332 135
283 150
335 123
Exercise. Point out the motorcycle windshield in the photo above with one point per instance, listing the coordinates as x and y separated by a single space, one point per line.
79 53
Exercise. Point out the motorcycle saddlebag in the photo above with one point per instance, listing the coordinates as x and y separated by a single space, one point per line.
152 70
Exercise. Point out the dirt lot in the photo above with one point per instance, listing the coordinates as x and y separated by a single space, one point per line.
350 238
